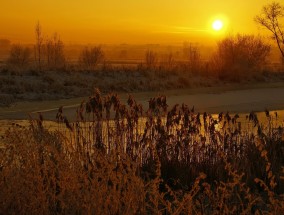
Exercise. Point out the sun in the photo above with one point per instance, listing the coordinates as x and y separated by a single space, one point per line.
217 25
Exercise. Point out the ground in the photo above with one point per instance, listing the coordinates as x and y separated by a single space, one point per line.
24 93
232 98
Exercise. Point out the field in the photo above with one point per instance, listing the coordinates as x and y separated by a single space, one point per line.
120 158
142 107
142 154
63 72
141 129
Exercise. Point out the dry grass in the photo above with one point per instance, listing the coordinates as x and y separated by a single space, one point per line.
119 159
23 84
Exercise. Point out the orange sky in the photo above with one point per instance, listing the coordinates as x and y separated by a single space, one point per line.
126 21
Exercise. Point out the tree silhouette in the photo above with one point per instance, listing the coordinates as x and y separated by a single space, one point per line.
19 55
54 52
151 59
239 54
191 53
269 18
91 57
38 46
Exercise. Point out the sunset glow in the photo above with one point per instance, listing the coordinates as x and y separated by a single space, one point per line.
141 107
110 21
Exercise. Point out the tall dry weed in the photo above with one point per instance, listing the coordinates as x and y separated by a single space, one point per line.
119 159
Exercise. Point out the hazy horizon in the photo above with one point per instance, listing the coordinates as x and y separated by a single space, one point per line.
139 22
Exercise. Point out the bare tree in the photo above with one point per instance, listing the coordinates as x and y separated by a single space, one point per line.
191 53
38 46
19 56
270 19
91 57
170 61
151 59
55 57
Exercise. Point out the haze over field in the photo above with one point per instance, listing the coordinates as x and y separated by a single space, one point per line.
127 21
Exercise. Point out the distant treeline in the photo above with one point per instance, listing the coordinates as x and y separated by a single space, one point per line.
234 56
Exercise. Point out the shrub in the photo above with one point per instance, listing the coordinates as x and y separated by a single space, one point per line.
151 59
237 55
54 51
19 56
192 55
91 57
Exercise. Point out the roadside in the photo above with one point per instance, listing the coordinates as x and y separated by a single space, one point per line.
232 98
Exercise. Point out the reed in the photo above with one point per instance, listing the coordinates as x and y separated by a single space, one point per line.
120 159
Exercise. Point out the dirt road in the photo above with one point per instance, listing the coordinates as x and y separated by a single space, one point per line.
213 100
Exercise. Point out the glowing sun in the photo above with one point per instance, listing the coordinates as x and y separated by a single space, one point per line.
217 25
